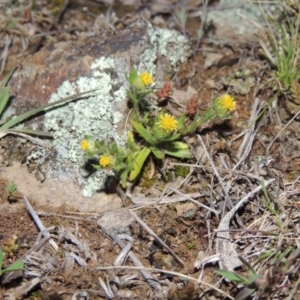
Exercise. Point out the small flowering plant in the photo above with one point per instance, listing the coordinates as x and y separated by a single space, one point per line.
158 135
109 156
160 139
224 106
140 87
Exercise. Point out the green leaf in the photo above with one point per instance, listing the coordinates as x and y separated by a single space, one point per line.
144 93
16 266
1 259
253 277
178 145
11 188
130 142
181 122
247 265
113 149
130 95
97 167
4 97
30 132
178 149
138 162
5 92
132 76
143 132
157 153
185 153
22 117
7 78
124 178
171 137
244 293
232 276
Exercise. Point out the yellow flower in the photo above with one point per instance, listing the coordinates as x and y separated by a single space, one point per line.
104 161
227 102
84 145
146 78
167 122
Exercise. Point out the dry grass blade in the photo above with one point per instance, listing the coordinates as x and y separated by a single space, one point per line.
123 254
106 288
33 112
36 247
216 172
229 257
183 276
191 199
142 200
26 136
281 131
159 240
249 133
23 289
39 223
152 282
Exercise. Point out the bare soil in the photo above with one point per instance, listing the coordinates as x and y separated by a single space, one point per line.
255 231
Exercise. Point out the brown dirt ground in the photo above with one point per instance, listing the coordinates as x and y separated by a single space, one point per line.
17 225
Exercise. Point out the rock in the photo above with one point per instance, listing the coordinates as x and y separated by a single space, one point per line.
117 222
186 210
68 68
230 25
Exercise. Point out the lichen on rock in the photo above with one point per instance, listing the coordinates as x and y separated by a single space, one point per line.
95 115
100 114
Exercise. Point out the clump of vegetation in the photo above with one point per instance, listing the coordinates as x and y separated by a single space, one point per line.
282 264
16 266
11 188
281 46
157 134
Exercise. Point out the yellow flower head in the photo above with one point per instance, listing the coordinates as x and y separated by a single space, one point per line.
104 161
146 78
84 145
227 102
167 122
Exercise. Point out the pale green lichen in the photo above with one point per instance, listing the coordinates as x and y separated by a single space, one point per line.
165 42
171 44
95 115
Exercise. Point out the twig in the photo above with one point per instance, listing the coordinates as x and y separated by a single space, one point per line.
282 129
250 133
220 169
194 201
136 261
200 31
23 289
216 173
229 257
39 243
180 275
159 240
164 200
39 223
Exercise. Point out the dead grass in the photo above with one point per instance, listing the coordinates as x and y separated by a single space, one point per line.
237 209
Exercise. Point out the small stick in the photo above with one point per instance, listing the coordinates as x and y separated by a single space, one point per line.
194 201
150 231
156 285
180 275
39 223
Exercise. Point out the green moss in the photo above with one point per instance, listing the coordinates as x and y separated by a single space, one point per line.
191 246
182 171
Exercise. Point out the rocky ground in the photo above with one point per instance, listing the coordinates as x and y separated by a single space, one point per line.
234 206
